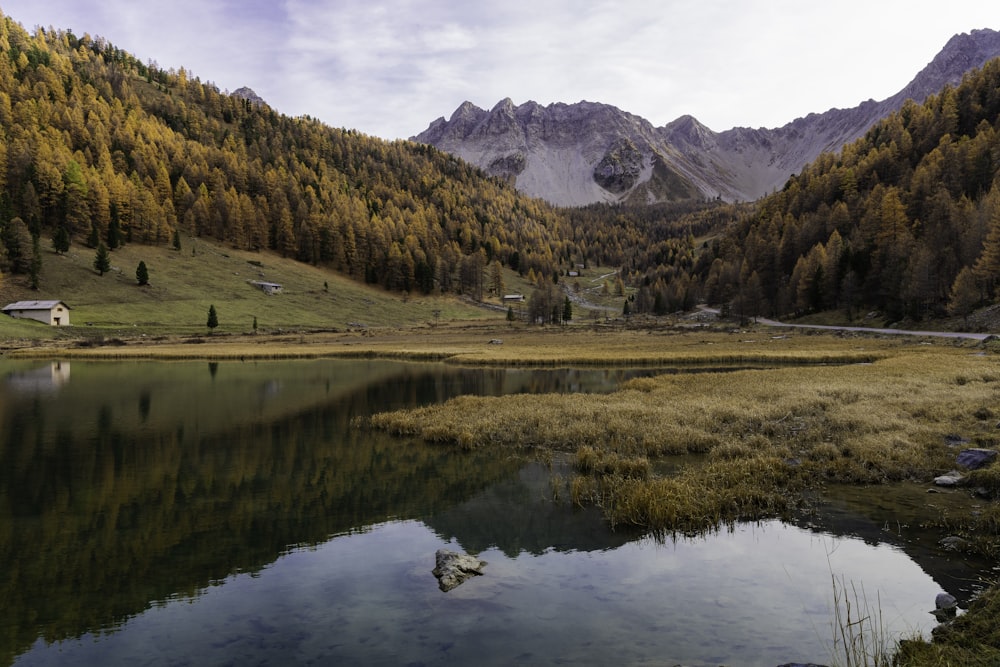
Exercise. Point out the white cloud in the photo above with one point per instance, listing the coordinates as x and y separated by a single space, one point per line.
389 67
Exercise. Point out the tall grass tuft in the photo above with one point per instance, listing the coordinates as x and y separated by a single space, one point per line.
860 638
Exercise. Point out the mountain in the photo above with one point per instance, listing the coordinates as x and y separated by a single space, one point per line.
249 95
577 154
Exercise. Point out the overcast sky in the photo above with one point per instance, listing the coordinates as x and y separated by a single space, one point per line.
390 67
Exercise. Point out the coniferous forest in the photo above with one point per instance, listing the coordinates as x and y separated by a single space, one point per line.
906 220
98 148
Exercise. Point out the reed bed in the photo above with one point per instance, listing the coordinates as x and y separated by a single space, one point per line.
767 433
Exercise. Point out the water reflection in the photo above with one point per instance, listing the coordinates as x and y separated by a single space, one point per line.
238 516
140 482
760 595
45 378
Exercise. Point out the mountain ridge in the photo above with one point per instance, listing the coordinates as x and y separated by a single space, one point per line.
587 152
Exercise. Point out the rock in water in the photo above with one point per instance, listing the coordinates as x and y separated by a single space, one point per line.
453 568
945 601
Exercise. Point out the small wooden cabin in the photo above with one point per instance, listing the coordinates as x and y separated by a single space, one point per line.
55 313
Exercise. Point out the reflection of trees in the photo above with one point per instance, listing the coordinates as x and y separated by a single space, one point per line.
105 522
106 508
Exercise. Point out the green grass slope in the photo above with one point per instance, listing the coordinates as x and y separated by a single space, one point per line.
183 284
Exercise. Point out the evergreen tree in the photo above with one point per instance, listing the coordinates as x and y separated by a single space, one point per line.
177 240
142 274
60 239
102 260
213 318
567 313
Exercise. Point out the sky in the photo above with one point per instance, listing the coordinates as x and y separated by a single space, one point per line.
388 68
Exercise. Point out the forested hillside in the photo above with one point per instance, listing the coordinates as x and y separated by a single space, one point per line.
906 220
97 147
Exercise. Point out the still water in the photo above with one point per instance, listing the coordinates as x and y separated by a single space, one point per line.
230 514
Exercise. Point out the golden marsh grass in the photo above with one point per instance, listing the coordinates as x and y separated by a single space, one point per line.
767 433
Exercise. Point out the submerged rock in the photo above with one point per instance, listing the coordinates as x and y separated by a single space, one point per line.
453 568
953 543
976 458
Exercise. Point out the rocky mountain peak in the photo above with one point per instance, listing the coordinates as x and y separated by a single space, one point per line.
466 111
577 154
246 93
962 53
504 106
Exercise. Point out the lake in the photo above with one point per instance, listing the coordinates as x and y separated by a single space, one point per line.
196 513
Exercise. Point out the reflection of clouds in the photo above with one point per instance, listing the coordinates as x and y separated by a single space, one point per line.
773 570
45 379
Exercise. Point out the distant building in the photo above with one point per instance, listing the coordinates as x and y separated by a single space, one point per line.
55 313
267 288
513 298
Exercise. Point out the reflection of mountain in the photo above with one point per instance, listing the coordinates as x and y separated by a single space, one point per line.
896 515
518 514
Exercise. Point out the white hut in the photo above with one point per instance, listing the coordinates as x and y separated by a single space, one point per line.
55 313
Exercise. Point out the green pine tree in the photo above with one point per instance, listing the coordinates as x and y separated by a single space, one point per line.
60 239
102 260
142 273
213 318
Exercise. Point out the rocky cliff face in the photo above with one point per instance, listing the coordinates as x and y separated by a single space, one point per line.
576 154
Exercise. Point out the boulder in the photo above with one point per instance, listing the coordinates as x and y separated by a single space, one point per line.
945 607
976 458
953 478
452 568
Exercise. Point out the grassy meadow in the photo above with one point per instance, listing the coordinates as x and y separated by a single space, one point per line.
184 283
